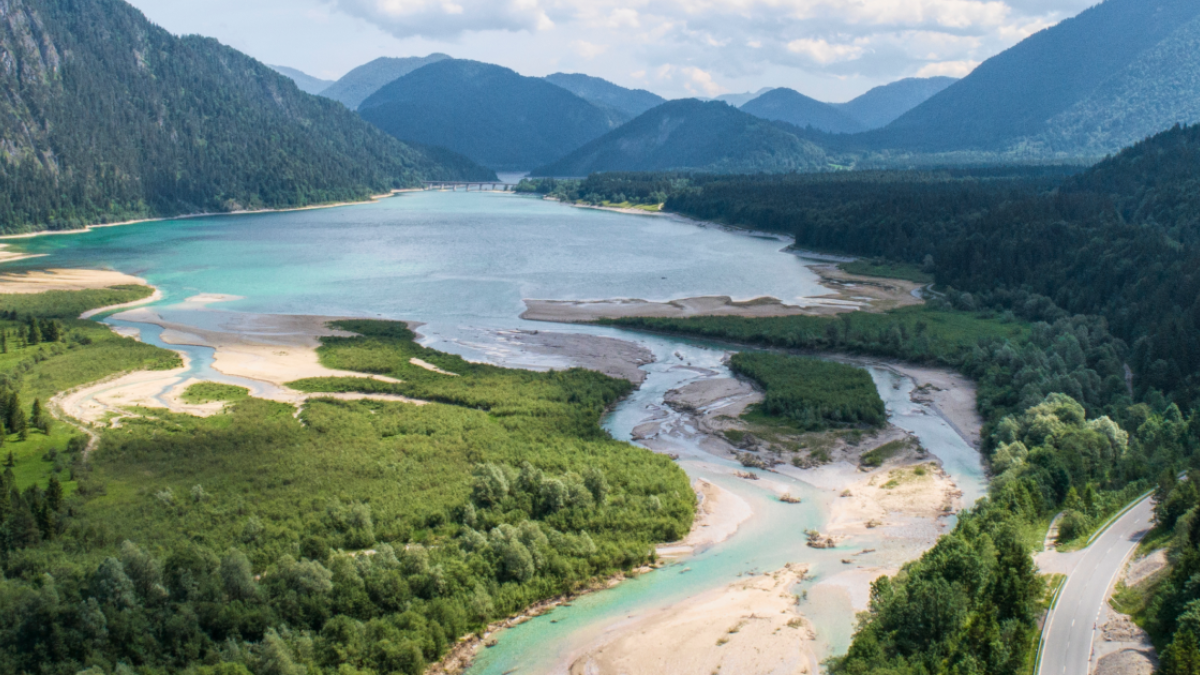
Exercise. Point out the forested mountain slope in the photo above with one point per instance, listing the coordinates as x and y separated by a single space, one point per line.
1017 93
104 116
357 85
1121 240
1158 89
307 83
881 106
691 134
491 114
630 102
788 105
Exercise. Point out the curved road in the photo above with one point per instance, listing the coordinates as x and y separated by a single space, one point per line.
1073 624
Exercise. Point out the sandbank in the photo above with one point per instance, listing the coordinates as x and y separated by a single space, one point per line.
270 348
719 514
41 281
750 626
616 358
583 311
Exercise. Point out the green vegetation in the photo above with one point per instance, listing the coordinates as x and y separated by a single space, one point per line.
142 123
875 458
211 392
974 599
45 350
811 393
888 270
363 536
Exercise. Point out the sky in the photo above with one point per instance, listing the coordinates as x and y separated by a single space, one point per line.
832 50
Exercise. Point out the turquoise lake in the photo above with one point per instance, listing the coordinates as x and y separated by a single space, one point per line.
462 264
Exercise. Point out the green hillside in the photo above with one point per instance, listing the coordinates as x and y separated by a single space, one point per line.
630 102
307 83
1159 89
106 117
881 106
787 105
690 134
357 85
1017 93
491 114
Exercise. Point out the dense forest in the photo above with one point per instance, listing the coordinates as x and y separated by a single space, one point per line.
1071 300
1062 434
812 394
359 536
105 116
1120 240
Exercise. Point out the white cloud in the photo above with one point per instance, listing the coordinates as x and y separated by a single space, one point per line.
588 50
446 18
825 53
694 81
728 44
948 69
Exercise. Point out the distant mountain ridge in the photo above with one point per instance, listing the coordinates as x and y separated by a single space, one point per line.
359 84
883 105
630 102
694 135
110 117
1028 91
788 105
493 115
307 83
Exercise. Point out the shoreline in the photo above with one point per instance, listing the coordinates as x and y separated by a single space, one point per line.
190 216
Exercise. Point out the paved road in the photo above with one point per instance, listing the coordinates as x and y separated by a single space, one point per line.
1073 625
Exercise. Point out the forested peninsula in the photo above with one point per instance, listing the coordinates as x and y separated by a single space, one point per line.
111 118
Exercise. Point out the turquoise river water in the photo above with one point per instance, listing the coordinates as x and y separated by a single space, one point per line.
462 264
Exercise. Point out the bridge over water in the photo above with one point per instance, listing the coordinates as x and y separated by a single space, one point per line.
453 186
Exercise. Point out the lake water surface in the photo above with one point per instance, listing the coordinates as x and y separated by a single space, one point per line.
462 264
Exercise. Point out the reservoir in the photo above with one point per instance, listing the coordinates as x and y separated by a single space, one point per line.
462 265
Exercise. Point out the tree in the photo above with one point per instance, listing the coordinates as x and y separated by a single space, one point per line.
54 494
39 418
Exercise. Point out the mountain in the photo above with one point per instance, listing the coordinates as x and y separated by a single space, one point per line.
739 100
498 118
694 135
787 105
306 82
1031 89
1159 88
630 102
357 85
883 105
108 117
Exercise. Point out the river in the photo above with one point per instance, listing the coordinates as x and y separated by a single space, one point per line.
462 264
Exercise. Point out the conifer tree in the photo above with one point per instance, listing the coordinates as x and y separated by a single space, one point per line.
54 494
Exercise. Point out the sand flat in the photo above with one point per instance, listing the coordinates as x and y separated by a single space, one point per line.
748 627
41 281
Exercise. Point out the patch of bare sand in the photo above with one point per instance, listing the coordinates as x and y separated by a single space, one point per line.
7 255
849 293
430 367
877 294
951 394
615 358
41 281
270 348
749 627
904 492
1123 648
719 514
103 403
582 311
